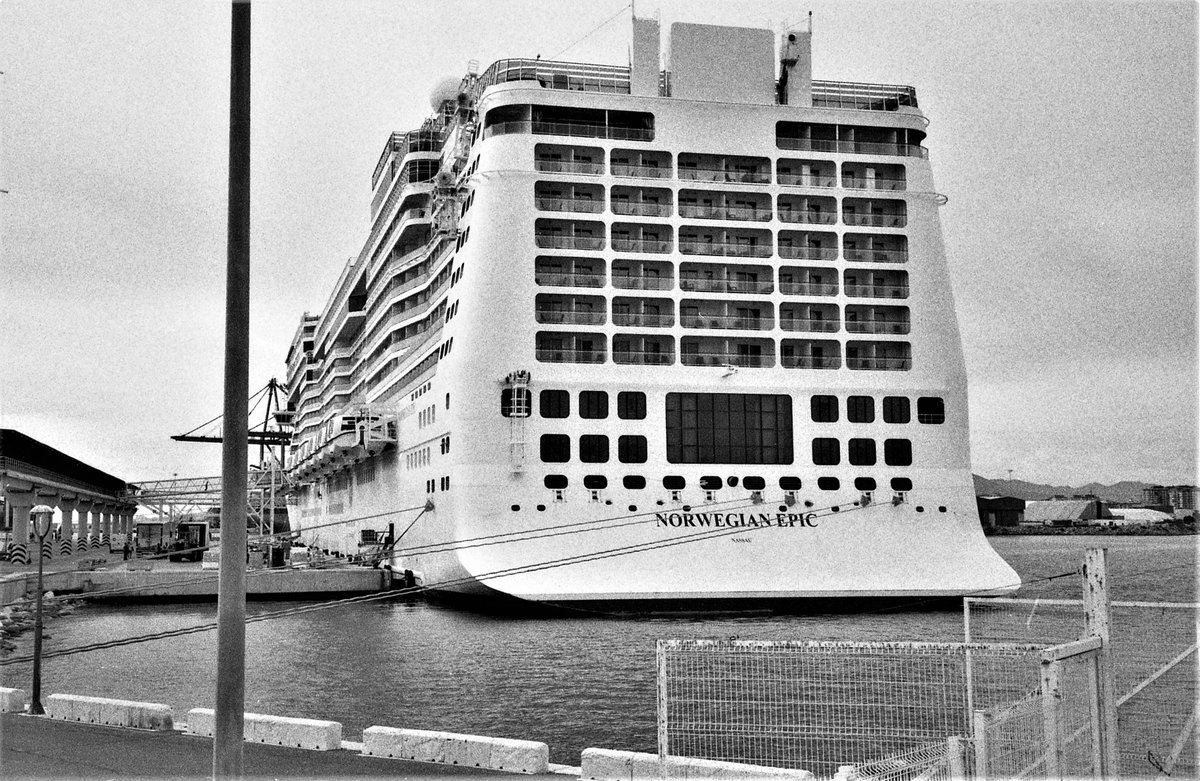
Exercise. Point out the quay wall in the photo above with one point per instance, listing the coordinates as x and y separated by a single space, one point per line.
164 585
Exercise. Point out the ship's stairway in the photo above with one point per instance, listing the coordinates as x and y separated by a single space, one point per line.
521 408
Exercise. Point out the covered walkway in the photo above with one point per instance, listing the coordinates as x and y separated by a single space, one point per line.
96 511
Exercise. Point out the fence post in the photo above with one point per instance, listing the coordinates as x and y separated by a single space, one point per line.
661 654
1096 624
979 732
1052 717
956 749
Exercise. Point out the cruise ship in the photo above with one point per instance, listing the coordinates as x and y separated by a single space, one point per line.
678 333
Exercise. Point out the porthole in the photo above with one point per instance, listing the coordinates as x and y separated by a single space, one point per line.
754 483
732 481
516 508
633 508
942 509
920 509
541 508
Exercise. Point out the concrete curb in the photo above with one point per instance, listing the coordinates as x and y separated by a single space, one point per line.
113 713
604 764
312 734
12 700
449 748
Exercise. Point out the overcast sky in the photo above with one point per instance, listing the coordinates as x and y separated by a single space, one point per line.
1063 134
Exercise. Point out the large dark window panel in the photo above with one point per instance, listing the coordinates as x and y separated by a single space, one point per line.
862 452
824 409
631 449
593 404
729 428
896 409
554 403
860 409
826 451
593 448
631 405
931 409
555 448
897 452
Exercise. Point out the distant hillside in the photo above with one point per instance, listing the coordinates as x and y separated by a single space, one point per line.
1125 491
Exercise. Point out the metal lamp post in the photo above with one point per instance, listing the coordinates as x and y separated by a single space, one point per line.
42 516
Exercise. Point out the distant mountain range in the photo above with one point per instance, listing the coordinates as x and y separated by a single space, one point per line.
1124 491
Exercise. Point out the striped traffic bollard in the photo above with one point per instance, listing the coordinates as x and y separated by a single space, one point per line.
18 553
93 541
47 549
64 547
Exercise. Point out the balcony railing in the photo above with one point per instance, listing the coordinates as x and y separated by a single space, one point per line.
725 213
557 241
807 180
641 171
876 255
576 129
809 217
641 209
689 358
726 286
727 322
644 357
724 248
808 288
569 167
693 174
642 320
569 280
550 355
811 361
876 220
880 364
877 291
807 253
624 244
641 281
878 183
851 147
877 327
570 318
808 324
570 205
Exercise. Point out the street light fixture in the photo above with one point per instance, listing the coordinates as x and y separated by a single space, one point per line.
42 515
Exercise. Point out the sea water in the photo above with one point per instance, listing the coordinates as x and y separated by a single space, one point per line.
570 682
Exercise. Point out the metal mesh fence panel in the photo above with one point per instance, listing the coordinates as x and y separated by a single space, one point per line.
820 705
1153 647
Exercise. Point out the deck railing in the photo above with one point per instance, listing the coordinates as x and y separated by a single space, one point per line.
724 248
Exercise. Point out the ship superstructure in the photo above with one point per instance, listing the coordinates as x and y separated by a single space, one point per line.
629 334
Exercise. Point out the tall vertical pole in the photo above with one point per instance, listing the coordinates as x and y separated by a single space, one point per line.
1096 603
231 590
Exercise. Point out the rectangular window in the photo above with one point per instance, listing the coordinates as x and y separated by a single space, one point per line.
897 452
896 409
554 403
860 409
861 452
593 404
729 428
824 409
826 451
631 449
555 448
631 405
931 409
593 448
515 402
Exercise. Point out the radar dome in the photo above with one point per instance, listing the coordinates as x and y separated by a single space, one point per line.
446 89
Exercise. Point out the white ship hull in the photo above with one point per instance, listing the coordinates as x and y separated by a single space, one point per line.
720 262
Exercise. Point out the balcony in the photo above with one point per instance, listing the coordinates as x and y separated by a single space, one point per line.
644 313
637 350
585 205
631 244
808 324
851 182
727 322
694 246
569 280
809 217
743 213
811 361
877 291
568 355
807 180
876 220
642 209
879 364
802 252
876 255
641 171
570 310
563 317
877 327
698 174
808 288
561 241
643 357
725 358
852 147
725 286
587 168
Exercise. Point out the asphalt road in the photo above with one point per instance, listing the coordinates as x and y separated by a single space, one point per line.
38 747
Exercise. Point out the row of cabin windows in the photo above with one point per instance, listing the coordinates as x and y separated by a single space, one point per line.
593 448
896 409
827 451
593 405
787 483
